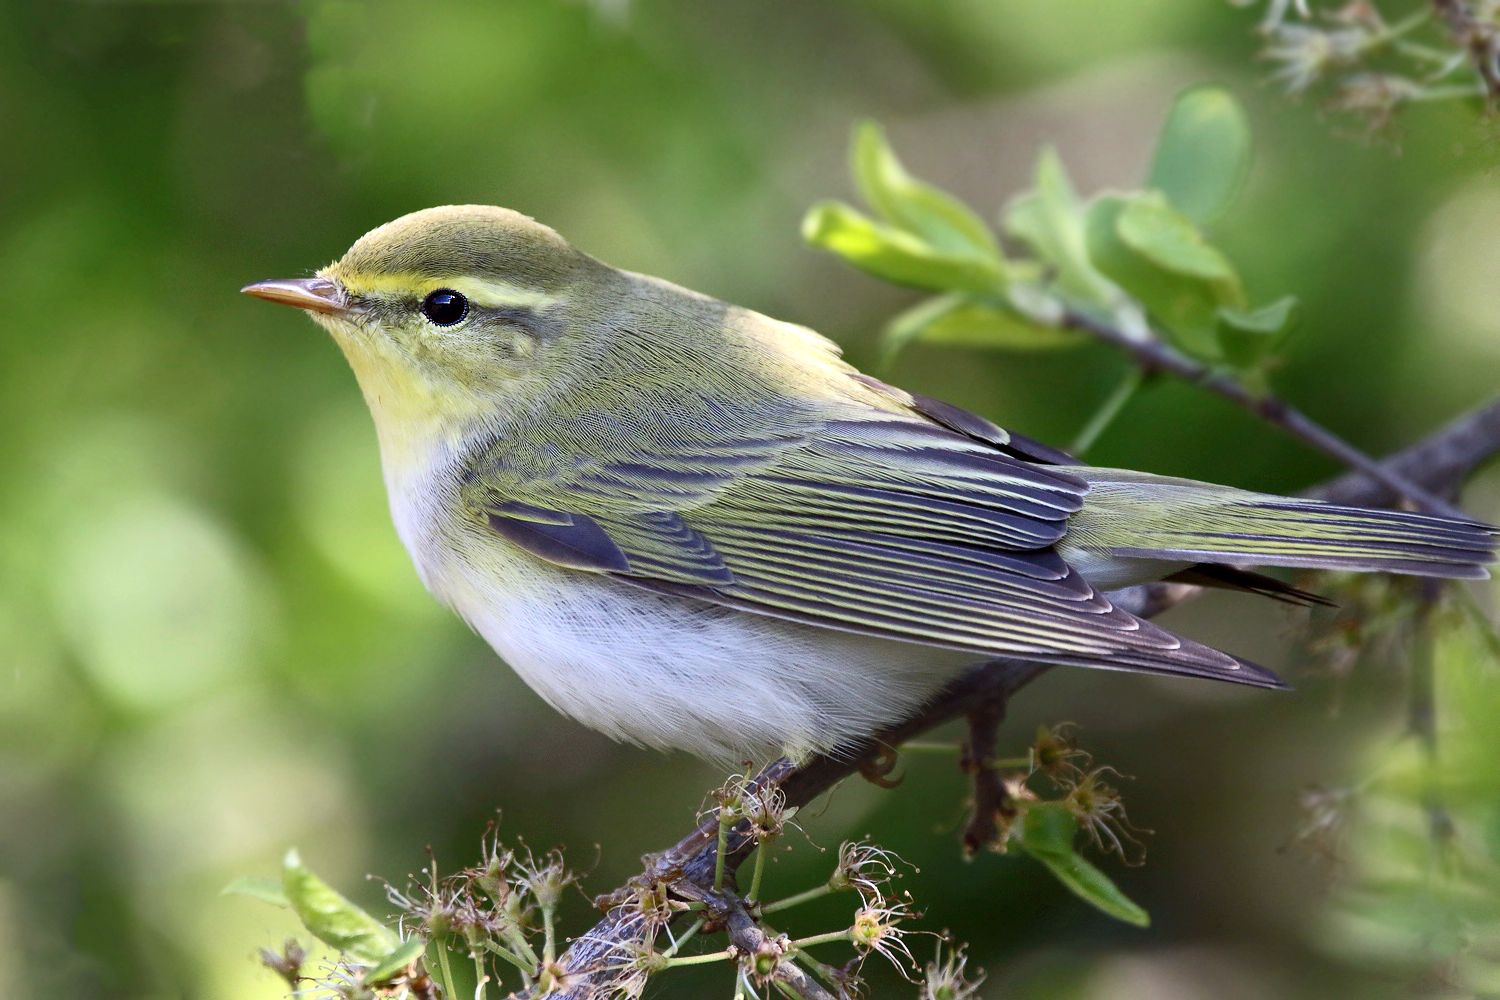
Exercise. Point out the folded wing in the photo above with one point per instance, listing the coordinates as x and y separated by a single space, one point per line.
888 526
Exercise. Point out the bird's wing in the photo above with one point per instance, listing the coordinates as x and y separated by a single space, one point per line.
882 524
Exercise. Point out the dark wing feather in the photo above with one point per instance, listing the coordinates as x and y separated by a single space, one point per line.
561 538
971 425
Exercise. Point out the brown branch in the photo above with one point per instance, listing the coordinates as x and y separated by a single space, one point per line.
751 940
1439 462
1479 39
1155 355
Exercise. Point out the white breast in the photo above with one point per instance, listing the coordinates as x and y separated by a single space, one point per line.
673 673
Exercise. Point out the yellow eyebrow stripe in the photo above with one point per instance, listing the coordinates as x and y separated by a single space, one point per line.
488 292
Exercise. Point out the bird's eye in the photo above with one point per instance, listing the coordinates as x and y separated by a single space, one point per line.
445 307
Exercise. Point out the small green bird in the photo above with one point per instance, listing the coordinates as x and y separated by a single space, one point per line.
692 526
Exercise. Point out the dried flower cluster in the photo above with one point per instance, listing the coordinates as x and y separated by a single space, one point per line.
1092 800
493 912
499 914
1361 62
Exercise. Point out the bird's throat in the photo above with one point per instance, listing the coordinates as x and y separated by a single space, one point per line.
419 422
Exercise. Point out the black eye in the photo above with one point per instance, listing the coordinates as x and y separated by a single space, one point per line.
445 307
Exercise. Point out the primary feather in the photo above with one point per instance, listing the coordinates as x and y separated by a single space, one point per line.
692 525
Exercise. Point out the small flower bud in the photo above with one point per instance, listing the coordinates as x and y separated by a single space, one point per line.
1101 814
287 963
876 930
947 978
1056 754
865 868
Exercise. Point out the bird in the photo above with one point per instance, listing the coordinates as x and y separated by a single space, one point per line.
691 526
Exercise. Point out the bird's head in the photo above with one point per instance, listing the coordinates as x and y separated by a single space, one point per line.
448 313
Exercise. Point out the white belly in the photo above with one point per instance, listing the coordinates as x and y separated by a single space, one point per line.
674 673
1108 572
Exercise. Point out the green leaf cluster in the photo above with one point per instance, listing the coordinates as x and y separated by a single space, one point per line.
1138 259
920 236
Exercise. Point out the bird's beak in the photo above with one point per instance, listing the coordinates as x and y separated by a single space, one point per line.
312 294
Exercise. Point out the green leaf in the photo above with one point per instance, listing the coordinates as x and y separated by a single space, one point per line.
1203 153
267 890
908 325
980 325
1159 259
1096 888
1047 834
396 962
895 254
1170 240
332 919
1248 336
976 324
961 321
940 219
1048 829
1050 219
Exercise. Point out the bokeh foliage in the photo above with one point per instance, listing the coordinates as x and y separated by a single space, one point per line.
216 648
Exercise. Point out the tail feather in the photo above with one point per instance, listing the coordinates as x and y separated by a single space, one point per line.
1134 515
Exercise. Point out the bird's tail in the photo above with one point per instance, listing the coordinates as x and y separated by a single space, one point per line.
1132 515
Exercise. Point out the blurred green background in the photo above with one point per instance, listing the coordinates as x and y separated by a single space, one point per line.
215 648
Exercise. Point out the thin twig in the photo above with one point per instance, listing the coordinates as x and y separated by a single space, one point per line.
1154 355
1129 384
992 804
1438 462
1480 40
1422 716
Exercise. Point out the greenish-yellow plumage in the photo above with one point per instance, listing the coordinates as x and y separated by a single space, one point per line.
691 525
